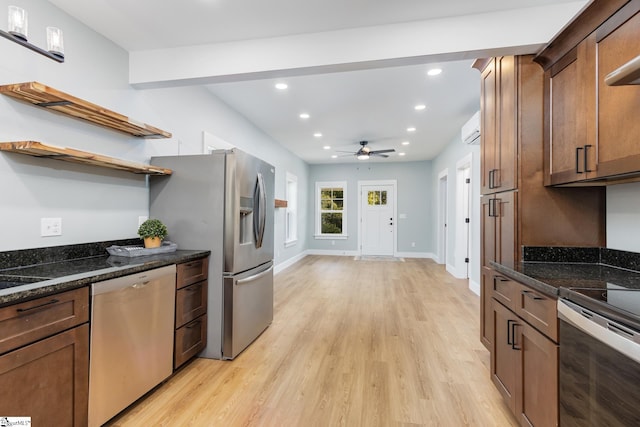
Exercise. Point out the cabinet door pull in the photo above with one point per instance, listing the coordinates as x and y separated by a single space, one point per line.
586 167
578 149
491 179
194 324
513 336
35 307
531 295
502 279
493 203
509 332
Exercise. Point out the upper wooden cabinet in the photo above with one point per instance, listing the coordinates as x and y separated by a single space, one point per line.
591 128
570 125
499 89
616 43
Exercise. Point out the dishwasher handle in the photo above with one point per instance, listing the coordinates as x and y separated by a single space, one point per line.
600 328
136 281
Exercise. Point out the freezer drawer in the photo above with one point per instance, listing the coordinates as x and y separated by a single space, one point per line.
248 308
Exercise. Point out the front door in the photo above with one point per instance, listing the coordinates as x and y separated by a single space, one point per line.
377 207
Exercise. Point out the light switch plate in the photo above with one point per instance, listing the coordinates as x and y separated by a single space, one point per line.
50 227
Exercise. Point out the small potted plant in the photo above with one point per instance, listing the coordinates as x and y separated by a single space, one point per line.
153 231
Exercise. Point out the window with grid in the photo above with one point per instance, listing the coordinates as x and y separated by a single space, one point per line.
331 215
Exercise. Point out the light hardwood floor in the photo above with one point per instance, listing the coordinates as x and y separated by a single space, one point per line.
353 343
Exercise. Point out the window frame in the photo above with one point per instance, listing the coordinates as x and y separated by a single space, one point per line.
318 211
291 234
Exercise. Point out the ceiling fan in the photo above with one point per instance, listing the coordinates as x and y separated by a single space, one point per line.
365 152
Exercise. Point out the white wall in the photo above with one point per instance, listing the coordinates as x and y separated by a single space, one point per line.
454 152
414 199
94 203
623 217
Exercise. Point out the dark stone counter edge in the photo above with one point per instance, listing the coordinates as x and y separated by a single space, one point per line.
55 286
526 280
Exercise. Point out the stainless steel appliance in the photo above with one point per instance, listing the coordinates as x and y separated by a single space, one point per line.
599 368
224 202
131 349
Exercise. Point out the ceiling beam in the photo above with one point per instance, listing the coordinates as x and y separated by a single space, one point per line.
519 31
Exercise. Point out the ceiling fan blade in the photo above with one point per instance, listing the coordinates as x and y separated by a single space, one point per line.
379 155
382 151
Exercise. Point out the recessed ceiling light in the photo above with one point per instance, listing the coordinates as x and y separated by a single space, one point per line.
405 143
434 71
420 107
334 156
281 86
327 147
304 115
411 129
317 135
401 154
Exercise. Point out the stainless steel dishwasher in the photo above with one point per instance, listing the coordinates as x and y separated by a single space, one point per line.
132 325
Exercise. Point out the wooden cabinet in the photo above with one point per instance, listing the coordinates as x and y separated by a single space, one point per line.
531 215
498 240
591 131
504 355
537 372
191 310
570 128
499 125
616 43
524 366
44 359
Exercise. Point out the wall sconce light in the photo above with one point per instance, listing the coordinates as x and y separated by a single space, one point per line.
17 32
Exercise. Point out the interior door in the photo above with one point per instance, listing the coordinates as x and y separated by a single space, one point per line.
377 208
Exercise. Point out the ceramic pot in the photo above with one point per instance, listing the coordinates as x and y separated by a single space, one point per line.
152 242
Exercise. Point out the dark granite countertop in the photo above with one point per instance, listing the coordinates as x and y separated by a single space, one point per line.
57 275
550 269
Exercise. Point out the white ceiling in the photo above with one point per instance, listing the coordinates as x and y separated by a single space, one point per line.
346 107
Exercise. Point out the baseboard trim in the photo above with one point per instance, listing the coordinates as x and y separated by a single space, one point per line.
453 271
474 287
331 252
428 255
289 262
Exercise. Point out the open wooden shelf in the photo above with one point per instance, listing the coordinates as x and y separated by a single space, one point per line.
37 149
44 96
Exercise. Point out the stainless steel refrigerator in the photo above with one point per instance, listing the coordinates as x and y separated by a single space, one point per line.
223 202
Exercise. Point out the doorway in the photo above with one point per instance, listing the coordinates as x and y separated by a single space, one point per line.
463 217
377 214
442 217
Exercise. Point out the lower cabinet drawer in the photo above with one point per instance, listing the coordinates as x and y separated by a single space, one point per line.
191 302
191 272
504 290
190 340
539 310
27 322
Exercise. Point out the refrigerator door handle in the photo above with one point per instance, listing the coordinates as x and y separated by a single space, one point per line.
260 218
255 276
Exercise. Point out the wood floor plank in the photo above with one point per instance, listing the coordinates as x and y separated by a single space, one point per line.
352 343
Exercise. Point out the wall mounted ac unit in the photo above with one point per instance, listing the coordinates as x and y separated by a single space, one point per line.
471 130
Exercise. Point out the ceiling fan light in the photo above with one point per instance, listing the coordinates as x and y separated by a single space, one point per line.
363 157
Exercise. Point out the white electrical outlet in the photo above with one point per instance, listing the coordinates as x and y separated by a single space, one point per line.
413 244
333 242
142 219
50 227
